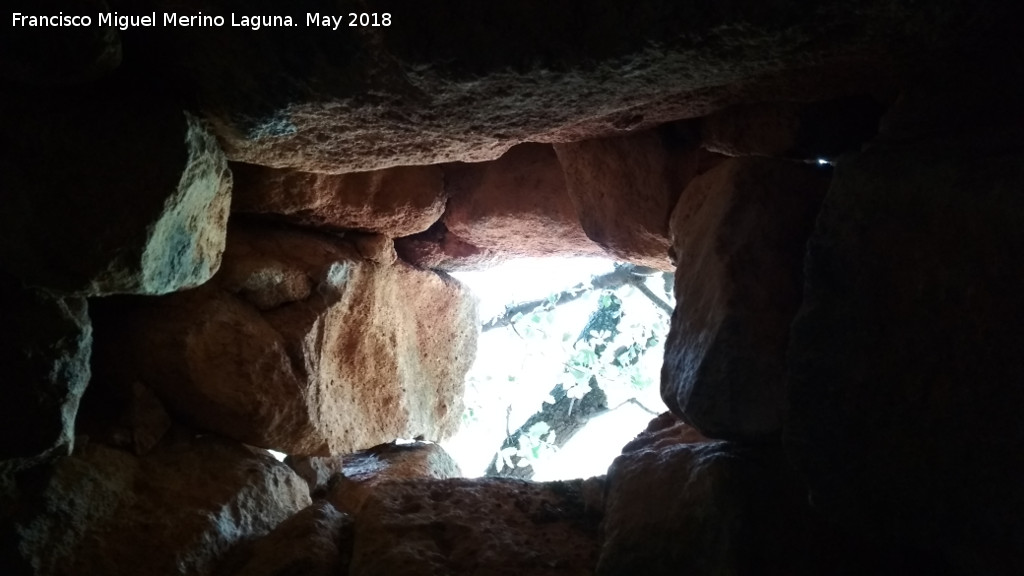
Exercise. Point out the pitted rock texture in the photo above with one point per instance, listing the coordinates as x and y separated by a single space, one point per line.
44 350
139 203
314 542
433 88
440 249
175 511
363 471
300 346
624 189
905 360
739 236
479 527
394 202
516 206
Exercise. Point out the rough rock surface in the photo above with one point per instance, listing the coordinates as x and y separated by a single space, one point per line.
317 471
763 129
481 526
739 236
705 508
624 189
44 350
314 542
394 202
515 206
109 188
440 249
300 346
175 511
665 429
363 471
432 88
905 391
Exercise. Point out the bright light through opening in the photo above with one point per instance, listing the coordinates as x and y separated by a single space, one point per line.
548 349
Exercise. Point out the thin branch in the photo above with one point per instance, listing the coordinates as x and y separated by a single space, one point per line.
610 281
637 403
642 287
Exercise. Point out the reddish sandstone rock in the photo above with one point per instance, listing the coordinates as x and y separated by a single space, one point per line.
446 82
624 190
174 511
314 542
666 429
376 248
515 206
363 471
706 508
301 346
317 471
45 347
480 526
110 188
440 249
347 480
763 129
739 235
394 202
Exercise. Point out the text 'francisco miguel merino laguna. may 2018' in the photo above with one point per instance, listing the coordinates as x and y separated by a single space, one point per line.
175 19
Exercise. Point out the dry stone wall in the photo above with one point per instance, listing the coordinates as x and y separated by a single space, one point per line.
300 345
166 311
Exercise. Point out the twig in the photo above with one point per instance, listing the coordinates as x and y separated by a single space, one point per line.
637 403
653 297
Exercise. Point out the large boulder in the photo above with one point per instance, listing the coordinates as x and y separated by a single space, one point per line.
624 189
482 526
363 471
707 508
515 206
739 234
110 188
905 389
443 81
45 349
300 345
347 479
395 202
314 542
175 511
